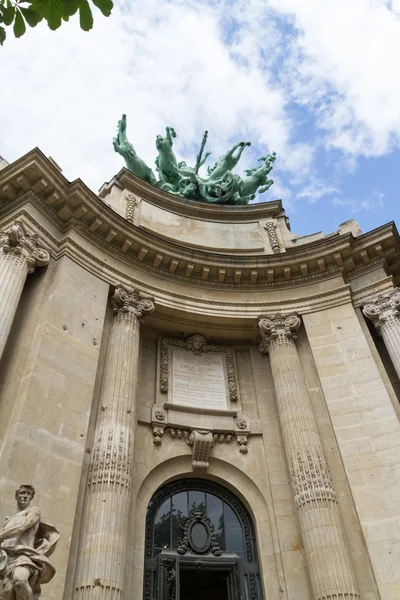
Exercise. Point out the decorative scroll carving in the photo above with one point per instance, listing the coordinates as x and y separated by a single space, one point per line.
385 309
17 242
198 345
198 536
110 464
130 207
280 329
129 305
311 479
273 239
202 442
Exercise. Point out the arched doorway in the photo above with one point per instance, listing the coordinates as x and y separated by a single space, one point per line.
200 542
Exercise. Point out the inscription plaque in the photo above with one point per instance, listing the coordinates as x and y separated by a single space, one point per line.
198 380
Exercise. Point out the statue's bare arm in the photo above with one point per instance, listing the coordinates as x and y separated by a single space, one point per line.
31 518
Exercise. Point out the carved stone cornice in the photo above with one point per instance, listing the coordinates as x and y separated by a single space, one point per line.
15 241
280 328
74 206
128 304
384 310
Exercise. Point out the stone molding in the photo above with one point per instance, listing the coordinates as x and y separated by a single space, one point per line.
16 242
368 293
242 313
239 430
74 205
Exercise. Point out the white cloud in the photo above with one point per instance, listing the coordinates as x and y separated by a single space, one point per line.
344 66
163 63
373 203
317 190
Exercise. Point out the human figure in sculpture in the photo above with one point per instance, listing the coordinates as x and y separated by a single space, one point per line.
227 162
25 544
133 162
257 179
166 163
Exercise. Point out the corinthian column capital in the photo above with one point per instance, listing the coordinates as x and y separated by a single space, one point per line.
384 309
279 327
17 242
129 304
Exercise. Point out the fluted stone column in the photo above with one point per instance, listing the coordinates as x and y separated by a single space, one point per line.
102 553
327 554
20 254
384 313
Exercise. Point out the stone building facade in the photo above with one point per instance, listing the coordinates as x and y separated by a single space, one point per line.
207 404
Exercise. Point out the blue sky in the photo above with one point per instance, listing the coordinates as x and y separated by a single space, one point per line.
316 81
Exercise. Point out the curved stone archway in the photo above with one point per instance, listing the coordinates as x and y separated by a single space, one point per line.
237 484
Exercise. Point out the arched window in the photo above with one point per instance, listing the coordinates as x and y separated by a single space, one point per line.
168 511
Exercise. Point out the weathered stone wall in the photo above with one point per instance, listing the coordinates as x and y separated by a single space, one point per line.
51 392
368 432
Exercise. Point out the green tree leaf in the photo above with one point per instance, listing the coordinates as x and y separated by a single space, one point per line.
19 25
30 16
70 6
2 35
85 16
8 13
51 10
105 6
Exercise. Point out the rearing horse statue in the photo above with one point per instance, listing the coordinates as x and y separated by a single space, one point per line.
227 161
133 162
257 179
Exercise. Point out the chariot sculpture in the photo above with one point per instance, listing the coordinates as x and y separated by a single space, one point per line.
220 186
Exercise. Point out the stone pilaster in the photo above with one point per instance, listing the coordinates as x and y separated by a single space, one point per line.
327 554
20 254
385 313
102 553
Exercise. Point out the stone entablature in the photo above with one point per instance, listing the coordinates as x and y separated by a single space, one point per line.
35 178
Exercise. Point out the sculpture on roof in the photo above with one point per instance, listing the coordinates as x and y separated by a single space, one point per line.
219 186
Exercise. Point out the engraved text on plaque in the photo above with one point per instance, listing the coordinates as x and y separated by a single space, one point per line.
199 380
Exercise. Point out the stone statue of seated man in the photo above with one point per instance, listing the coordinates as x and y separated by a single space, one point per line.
25 544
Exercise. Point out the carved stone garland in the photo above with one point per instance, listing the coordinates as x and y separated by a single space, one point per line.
20 254
385 315
329 563
130 207
198 345
273 239
103 539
